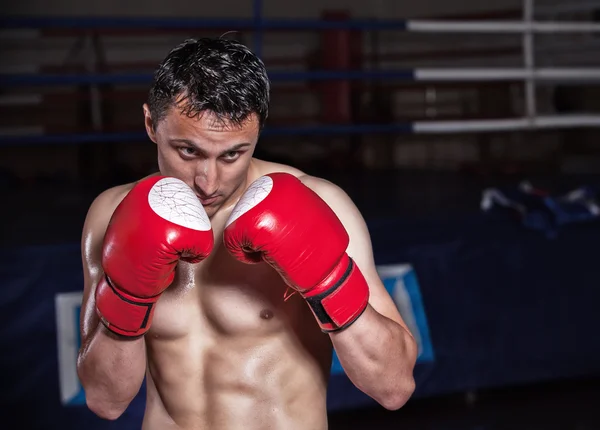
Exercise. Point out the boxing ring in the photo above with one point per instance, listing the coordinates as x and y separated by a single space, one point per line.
529 74
492 303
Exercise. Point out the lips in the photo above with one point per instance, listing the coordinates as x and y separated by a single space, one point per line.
208 201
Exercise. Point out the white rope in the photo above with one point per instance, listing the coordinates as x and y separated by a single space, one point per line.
491 125
496 74
501 27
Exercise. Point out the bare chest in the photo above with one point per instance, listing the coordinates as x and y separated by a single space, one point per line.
226 297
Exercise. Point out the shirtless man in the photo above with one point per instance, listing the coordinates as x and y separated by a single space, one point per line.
230 311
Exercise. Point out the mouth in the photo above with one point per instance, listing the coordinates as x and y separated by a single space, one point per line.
208 201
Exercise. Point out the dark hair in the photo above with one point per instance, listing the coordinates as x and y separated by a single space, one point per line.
217 75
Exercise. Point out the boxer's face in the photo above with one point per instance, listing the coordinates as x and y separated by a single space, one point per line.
211 157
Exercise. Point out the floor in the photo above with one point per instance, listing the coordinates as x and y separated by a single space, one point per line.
568 405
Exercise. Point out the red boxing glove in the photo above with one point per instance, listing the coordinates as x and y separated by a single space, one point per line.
158 223
286 224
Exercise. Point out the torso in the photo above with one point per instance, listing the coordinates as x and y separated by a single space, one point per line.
226 351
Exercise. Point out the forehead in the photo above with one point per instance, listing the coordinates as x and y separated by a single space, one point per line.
207 125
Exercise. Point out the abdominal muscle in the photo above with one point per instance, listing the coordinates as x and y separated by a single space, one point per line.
202 378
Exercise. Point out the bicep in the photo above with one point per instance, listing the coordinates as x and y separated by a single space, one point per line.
92 271
360 248
92 238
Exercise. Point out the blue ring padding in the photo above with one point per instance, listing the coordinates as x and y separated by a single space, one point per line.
70 139
7 140
74 79
198 23
406 74
145 78
404 128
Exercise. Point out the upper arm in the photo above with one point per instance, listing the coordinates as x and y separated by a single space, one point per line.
92 237
360 248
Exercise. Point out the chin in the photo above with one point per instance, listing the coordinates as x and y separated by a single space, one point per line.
211 210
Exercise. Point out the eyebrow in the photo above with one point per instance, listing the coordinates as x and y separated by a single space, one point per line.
235 147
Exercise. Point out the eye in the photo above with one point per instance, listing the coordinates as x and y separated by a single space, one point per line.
186 151
231 156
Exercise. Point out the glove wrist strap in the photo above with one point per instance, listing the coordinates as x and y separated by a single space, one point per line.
341 298
122 313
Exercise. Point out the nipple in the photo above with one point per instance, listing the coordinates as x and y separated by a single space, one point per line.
266 314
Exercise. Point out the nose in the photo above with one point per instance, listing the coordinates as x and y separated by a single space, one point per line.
206 180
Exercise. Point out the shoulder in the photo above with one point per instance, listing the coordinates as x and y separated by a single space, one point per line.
327 190
263 167
347 212
331 193
97 219
318 185
105 203
339 201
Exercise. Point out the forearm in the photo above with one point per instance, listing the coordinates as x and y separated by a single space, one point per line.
111 369
378 355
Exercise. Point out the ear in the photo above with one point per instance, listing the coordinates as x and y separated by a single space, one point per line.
150 129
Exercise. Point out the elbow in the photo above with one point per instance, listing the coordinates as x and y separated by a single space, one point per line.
105 410
394 399
396 395
101 401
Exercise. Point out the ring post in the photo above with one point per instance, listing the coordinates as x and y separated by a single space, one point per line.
258 28
529 61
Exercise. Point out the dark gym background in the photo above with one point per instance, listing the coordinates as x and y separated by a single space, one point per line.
483 190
